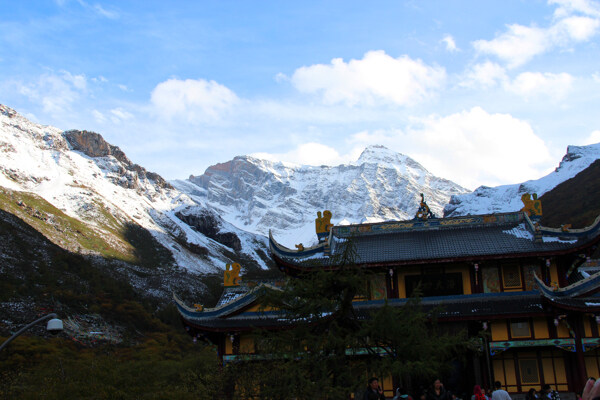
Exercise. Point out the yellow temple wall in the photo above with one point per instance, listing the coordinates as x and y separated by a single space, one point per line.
553 273
540 328
587 328
499 331
588 324
228 345
592 362
553 369
246 344
562 331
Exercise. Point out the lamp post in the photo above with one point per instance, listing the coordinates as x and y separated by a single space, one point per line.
54 326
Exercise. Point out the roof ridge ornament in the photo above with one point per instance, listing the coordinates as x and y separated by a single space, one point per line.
231 275
533 208
424 213
323 225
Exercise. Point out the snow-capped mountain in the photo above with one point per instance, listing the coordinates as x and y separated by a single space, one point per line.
259 195
101 195
506 198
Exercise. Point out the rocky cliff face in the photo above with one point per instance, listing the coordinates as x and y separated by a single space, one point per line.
93 145
259 195
210 225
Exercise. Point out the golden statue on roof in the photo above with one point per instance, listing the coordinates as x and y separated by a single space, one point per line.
423 213
533 208
323 225
232 275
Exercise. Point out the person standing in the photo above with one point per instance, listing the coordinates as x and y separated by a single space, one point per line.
479 393
531 395
547 393
402 395
437 392
499 393
373 391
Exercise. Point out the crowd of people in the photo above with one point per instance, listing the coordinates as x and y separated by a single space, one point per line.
591 391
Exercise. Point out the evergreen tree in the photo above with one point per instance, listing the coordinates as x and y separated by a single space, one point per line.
327 349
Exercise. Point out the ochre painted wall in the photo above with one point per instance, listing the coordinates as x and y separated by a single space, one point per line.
587 328
540 328
246 344
499 331
592 362
505 366
228 345
562 330
553 273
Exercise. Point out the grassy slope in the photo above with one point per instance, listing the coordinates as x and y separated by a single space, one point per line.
121 240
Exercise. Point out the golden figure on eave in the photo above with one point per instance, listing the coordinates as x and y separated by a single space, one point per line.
232 275
323 225
423 213
533 208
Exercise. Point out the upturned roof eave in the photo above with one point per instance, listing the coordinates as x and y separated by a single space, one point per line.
290 264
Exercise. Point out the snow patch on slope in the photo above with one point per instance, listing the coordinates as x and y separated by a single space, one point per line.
507 198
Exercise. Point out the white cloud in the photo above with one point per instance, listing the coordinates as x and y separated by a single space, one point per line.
530 84
119 114
96 8
56 93
307 154
471 148
281 77
593 138
99 79
98 116
448 40
596 77
485 75
519 43
568 7
576 29
517 46
195 100
376 78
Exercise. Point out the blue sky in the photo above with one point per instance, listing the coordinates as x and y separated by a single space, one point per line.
482 93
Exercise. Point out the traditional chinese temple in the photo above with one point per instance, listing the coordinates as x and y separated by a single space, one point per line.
534 289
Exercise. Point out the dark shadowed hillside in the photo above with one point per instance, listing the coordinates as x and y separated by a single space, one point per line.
575 201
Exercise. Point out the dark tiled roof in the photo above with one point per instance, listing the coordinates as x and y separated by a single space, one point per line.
590 304
463 307
450 243
469 237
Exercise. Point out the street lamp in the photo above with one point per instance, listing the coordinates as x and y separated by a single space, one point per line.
54 326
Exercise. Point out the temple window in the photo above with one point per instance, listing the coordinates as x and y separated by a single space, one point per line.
520 329
435 284
511 277
530 374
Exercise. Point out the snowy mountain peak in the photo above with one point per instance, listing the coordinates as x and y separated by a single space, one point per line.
507 198
94 183
381 155
258 195
576 152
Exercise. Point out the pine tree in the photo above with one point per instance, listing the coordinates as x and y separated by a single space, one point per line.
328 349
